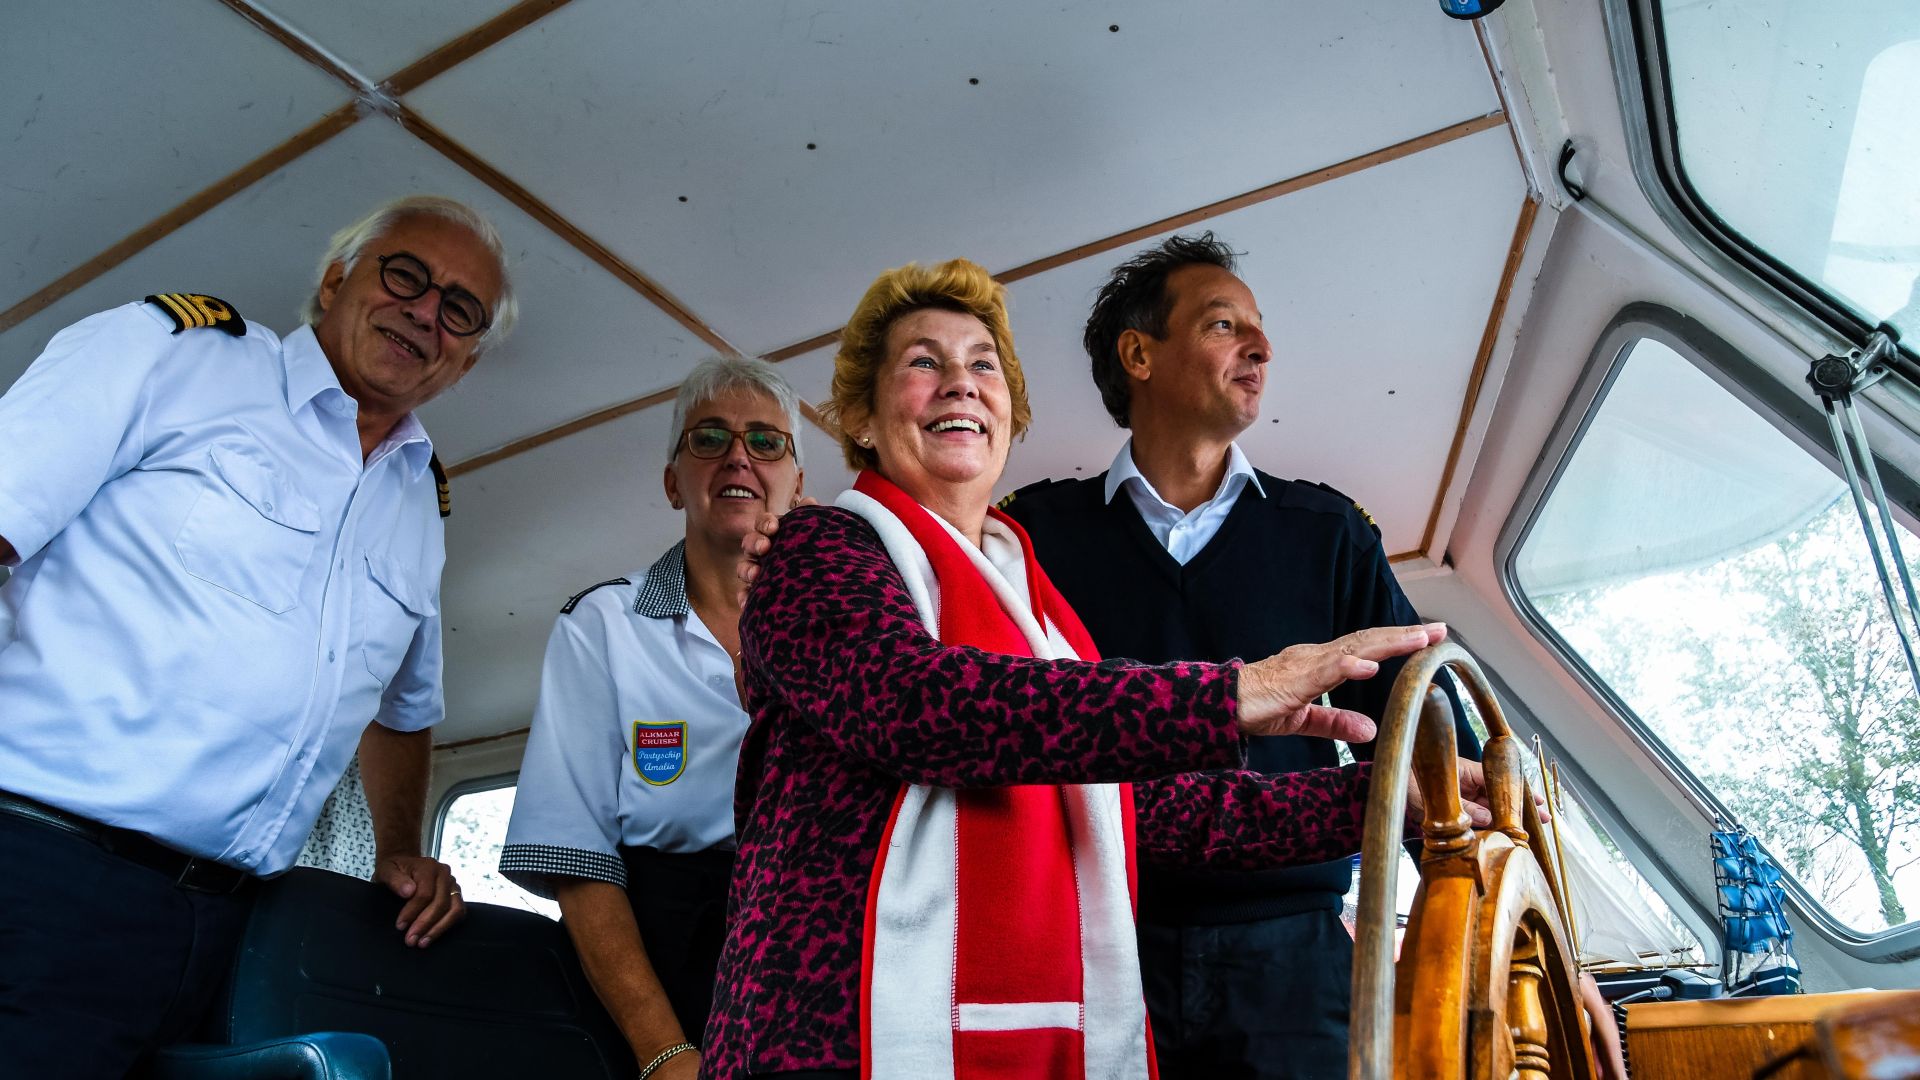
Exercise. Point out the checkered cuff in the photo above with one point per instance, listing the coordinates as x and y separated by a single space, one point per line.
533 866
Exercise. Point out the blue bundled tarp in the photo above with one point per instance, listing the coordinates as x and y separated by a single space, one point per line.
1752 910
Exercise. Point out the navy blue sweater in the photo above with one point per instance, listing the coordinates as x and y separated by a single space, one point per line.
1301 563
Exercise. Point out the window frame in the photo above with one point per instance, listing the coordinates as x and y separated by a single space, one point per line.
1794 416
1700 920
1637 48
473 786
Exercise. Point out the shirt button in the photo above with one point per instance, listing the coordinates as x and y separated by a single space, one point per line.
269 504
329 656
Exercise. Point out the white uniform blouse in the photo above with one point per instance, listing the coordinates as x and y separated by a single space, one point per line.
635 737
215 593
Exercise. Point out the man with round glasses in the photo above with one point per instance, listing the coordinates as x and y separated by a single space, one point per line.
227 550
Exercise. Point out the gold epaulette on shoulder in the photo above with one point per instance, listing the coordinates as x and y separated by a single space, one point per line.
440 485
1361 510
196 311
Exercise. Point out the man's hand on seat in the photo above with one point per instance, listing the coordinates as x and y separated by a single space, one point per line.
393 768
432 896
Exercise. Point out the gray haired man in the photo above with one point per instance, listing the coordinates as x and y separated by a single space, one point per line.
227 550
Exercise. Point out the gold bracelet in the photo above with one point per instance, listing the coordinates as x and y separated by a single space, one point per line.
661 1058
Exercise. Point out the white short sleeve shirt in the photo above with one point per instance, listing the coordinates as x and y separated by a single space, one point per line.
635 739
215 592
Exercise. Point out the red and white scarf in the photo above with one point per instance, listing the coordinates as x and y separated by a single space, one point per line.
999 932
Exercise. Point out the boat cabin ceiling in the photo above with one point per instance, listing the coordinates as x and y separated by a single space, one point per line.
676 180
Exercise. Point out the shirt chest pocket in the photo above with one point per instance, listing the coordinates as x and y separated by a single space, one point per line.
390 607
249 531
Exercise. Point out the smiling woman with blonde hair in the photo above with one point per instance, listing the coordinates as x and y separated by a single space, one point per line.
937 824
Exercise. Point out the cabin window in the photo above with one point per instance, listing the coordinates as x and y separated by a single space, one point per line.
468 837
1792 125
1621 921
1710 572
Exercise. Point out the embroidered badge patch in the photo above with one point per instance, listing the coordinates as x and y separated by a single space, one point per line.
659 750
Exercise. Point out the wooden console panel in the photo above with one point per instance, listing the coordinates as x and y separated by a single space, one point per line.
1729 1038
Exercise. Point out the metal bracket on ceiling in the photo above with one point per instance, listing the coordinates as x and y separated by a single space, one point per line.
377 99
1836 379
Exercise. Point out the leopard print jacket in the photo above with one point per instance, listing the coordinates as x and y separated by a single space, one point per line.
851 698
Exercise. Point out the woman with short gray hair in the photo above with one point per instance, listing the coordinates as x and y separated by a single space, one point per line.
624 812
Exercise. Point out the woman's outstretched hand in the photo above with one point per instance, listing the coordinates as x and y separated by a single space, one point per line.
1277 694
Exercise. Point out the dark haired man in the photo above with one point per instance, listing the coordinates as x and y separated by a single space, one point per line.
1247 975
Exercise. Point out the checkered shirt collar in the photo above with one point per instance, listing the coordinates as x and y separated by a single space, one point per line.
663 594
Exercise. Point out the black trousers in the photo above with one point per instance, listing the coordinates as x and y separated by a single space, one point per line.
680 905
1266 1000
101 960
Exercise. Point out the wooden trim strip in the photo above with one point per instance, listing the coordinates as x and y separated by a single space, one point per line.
296 44
813 417
606 415
1258 195
1405 557
321 130
539 439
566 230
470 44
1483 358
807 346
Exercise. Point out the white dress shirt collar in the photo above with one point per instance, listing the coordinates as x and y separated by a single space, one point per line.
310 378
1239 473
1182 533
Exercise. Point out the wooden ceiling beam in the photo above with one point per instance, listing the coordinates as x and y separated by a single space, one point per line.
468 45
297 45
413 75
575 236
1483 358
1265 193
1258 195
199 203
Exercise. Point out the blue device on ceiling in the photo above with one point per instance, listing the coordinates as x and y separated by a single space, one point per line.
1469 9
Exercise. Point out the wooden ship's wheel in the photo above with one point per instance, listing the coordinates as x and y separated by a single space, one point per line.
1485 986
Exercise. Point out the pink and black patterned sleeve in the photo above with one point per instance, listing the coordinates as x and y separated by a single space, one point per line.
830 630
1241 820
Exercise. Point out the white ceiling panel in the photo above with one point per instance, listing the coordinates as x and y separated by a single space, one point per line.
98 139
532 530
376 38
615 113
1375 290
585 341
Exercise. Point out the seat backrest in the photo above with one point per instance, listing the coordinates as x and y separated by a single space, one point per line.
502 995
